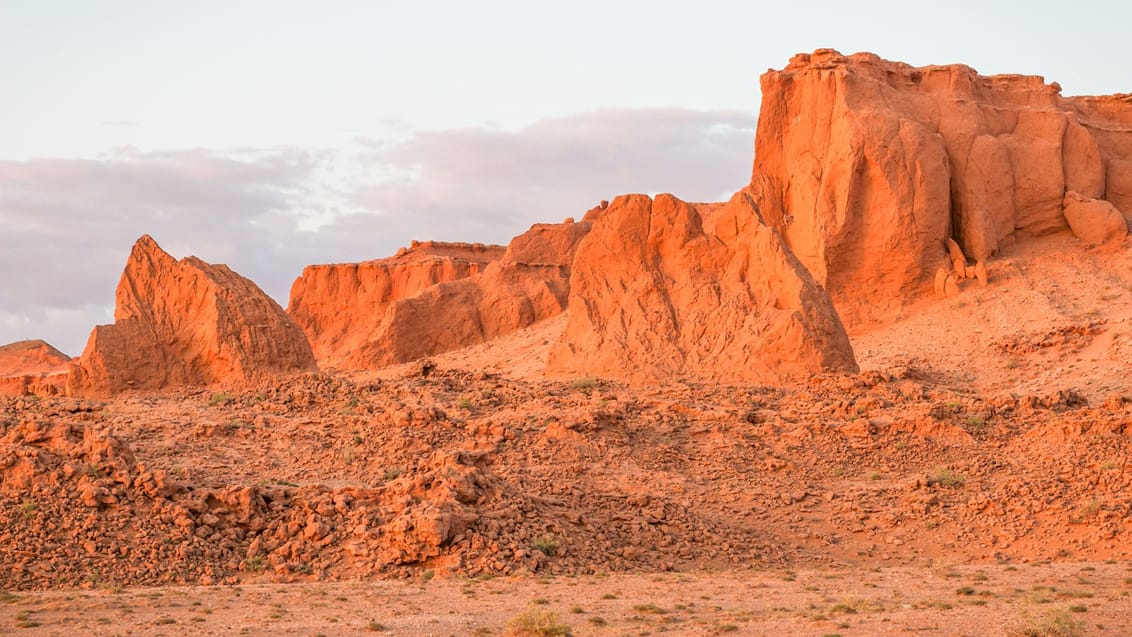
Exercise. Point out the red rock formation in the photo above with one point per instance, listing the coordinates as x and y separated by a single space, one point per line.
655 293
342 307
353 328
32 367
865 166
1094 220
187 323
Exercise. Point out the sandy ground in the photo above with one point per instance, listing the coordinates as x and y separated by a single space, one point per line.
940 600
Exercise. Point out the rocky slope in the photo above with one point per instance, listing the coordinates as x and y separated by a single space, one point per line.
324 477
655 296
187 322
866 166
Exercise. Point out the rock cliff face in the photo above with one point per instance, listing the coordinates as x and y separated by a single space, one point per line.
187 323
466 303
342 307
865 166
32 367
657 291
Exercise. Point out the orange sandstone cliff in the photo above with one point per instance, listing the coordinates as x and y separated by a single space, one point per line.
865 166
32 367
187 322
455 303
341 307
656 292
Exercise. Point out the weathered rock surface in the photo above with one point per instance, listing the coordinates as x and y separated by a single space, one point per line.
32 367
341 307
866 165
466 303
1094 220
655 294
187 322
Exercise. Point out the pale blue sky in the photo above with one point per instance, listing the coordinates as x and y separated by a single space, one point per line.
273 134
81 77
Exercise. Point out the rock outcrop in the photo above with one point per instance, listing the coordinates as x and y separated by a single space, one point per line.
659 291
355 328
1094 220
341 307
865 166
32 367
187 322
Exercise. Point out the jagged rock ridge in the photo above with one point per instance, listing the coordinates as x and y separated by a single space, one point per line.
187 322
657 292
458 302
341 307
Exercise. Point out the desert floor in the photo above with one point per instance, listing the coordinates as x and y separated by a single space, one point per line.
938 600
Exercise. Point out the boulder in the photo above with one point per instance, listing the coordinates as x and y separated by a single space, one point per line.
654 295
187 322
1094 220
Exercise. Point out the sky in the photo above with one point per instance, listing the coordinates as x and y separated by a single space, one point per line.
273 134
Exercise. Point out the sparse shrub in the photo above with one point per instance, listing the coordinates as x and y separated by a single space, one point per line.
537 622
254 563
220 398
547 545
28 509
1052 622
584 385
597 620
946 478
464 404
1089 510
375 627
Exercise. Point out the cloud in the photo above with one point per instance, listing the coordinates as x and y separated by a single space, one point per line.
474 182
69 223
